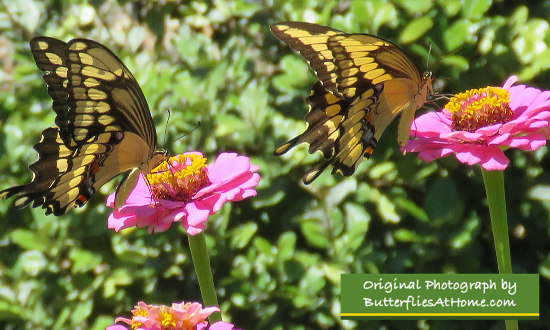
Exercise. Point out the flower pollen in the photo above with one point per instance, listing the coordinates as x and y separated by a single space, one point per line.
139 311
478 108
167 320
179 178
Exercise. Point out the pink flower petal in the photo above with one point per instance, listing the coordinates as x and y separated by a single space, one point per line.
220 325
495 162
116 327
499 139
510 81
197 214
429 123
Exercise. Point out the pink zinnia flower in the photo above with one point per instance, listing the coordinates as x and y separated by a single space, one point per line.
478 125
182 316
185 189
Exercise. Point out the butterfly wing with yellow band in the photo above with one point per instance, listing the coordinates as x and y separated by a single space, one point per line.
356 70
337 128
103 126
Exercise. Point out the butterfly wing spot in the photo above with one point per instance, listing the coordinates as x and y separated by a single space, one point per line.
350 72
78 46
97 73
91 82
333 110
94 167
350 92
348 82
41 45
368 67
373 74
85 59
382 78
96 94
81 200
54 58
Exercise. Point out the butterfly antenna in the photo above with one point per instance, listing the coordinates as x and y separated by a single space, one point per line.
166 127
451 53
194 128
429 54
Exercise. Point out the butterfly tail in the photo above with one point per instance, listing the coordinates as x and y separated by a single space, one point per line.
314 173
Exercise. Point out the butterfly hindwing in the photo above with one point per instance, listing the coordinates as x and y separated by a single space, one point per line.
352 140
326 113
63 177
339 128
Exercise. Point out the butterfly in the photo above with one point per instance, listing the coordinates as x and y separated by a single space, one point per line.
364 83
103 127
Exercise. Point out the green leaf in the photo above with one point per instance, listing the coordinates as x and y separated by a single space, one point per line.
415 29
387 210
457 61
82 311
475 8
415 7
83 261
11 311
286 246
530 41
296 73
466 235
315 232
340 191
540 192
412 209
263 246
458 33
450 7
30 240
120 277
382 169
357 224
241 235
32 262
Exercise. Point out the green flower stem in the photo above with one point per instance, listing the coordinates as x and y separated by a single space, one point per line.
494 188
201 260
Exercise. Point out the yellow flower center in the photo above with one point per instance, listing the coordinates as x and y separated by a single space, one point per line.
478 108
138 311
179 178
167 320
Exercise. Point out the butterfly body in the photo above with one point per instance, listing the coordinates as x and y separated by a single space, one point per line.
103 127
364 83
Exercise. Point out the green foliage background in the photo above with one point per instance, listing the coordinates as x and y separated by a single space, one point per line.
277 258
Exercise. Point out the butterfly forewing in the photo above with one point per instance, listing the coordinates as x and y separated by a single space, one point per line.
311 41
103 126
50 56
104 88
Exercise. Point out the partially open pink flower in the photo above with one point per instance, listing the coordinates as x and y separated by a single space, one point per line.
185 189
478 125
181 316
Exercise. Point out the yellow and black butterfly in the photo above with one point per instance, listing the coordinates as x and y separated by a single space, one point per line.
103 127
364 82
